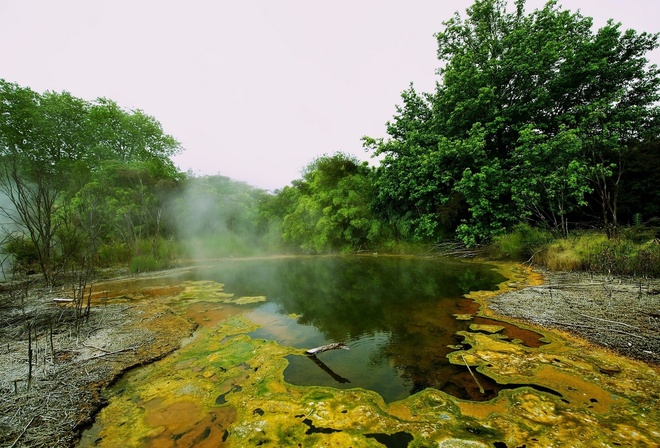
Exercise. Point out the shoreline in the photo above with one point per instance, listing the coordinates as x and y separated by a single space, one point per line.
618 314
622 315
67 384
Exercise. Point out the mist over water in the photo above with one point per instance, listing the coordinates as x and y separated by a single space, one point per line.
215 216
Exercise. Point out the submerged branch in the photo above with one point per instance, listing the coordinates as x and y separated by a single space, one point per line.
481 389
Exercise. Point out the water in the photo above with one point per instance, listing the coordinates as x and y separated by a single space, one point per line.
395 314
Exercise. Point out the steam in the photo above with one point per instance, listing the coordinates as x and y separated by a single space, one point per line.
216 217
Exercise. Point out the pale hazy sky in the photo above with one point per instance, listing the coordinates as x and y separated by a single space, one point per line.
253 89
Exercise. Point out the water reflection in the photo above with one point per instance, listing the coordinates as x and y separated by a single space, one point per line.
395 314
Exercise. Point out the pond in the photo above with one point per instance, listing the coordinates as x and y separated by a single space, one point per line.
395 314
421 363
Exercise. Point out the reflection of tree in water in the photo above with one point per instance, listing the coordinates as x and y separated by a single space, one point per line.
469 280
348 298
410 299
345 298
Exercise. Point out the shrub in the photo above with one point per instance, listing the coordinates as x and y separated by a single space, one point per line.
571 253
521 244
23 254
113 254
625 257
594 252
147 263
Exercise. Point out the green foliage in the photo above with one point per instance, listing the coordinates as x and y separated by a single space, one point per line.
24 254
620 256
154 255
80 174
522 243
329 209
147 263
595 252
534 118
113 254
215 216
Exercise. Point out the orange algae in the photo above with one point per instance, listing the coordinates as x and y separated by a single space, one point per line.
226 389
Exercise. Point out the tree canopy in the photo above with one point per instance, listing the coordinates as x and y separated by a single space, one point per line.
533 118
59 170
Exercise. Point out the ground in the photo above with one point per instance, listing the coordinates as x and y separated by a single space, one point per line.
69 373
72 363
622 314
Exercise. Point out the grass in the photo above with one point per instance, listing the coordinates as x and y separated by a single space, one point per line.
636 252
521 244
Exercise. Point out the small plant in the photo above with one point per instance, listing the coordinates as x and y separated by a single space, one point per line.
147 263
23 253
593 252
521 244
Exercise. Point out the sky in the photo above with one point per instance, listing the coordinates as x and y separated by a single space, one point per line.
253 89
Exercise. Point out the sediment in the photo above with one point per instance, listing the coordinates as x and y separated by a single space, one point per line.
619 313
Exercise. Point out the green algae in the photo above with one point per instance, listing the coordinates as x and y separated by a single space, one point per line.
227 389
487 328
210 291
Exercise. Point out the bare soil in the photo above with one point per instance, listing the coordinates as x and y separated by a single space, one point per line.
72 360
621 314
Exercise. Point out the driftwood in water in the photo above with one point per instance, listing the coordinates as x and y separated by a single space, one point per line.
324 348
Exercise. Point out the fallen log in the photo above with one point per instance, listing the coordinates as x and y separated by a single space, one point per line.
325 348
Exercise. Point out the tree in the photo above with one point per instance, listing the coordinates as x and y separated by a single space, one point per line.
51 146
329 208
40 137
519 90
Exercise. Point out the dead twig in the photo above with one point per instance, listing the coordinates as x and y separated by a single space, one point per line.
481 389
590 327
22 432
115 352
96 348
606 320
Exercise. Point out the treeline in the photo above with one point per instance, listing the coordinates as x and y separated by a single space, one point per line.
81 183
539 126
537 118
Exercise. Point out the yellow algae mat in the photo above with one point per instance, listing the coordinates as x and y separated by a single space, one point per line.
224 388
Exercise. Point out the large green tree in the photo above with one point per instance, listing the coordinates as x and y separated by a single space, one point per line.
532 113
41 136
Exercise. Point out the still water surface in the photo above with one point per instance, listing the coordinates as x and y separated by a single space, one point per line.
396 315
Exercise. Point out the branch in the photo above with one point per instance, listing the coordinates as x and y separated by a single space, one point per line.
22 432
606 320
323 348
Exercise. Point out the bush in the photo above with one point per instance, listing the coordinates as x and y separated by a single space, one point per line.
521 244
154 255
23 254
594 252
625 257
113 254
220 246
147 263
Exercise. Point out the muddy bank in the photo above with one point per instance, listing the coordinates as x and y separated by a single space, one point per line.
621 314
71 363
